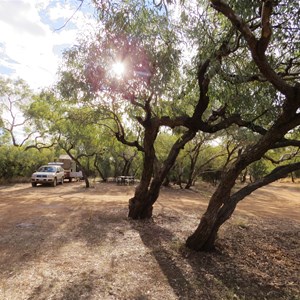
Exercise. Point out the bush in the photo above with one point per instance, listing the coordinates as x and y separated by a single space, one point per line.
257 170
17 163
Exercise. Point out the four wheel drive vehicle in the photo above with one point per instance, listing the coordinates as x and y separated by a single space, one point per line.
48 174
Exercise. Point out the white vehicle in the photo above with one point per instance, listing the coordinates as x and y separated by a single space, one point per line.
48 174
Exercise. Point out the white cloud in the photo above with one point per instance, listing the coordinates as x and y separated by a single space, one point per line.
42 4
21 16
29 46
60 11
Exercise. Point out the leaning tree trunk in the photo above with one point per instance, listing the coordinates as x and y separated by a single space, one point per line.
84 175
190 180
205 235
227 209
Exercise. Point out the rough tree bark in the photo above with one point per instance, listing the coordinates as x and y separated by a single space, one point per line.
141 205
203 239
147 192
205 235
222 203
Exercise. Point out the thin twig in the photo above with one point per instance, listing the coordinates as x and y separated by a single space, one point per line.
70 18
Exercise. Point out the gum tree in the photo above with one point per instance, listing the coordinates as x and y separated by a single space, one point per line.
193 73
275 59
161 87
15 97
73 129
138 38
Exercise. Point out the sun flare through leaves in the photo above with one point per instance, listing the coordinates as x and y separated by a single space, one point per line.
118 69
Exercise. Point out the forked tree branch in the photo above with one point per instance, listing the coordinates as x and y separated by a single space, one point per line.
257 47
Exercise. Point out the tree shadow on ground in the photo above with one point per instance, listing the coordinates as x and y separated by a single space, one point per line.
154 237
43 243
79 287
240 268
33 242
27 238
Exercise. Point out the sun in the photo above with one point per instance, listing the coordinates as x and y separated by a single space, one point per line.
118 69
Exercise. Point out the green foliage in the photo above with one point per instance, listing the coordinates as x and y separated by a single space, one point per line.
161 53
15 162
144 41
258 169
80 130
15 98
18 87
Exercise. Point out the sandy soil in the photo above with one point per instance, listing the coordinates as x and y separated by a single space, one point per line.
70 242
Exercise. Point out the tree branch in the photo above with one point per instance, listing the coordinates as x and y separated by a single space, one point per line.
277 173
285 157
266 29
70 18
237 22
121 138
257 51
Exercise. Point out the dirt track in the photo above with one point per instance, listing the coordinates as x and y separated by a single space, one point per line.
72 243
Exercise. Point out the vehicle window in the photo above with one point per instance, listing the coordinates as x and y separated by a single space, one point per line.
46 169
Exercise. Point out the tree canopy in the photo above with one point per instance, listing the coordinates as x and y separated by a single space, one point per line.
161 76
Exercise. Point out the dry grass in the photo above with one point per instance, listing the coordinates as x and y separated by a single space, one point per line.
71 243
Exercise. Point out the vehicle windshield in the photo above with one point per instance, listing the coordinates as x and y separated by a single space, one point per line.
46 169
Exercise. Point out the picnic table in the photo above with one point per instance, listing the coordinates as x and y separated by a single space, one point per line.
125 180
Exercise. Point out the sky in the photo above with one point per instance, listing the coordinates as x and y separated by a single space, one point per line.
31 43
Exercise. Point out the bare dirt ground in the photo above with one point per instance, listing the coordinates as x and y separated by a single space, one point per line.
71 243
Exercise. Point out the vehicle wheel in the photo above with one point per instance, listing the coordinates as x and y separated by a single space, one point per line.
33 184
54 182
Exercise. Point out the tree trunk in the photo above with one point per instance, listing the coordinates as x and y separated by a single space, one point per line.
191 171
81 168
292 176
189 184
147 192
205 235
127 165
84 175
244 176
99 170
208 228
140 206
190 177
86 180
